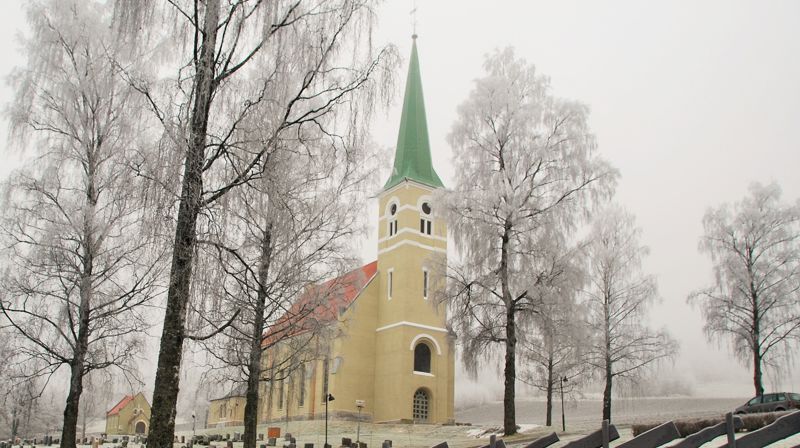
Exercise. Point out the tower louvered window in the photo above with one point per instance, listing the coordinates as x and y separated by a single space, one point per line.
393 220
426 220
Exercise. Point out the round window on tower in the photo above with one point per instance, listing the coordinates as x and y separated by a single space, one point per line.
393 209
426 208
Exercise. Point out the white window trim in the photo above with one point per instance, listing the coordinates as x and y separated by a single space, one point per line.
428 337
410 324
423 373
412 243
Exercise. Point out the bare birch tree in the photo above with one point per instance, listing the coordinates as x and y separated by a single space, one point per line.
286 233
77 271
753 303
215 86
526 168
618 297
555 349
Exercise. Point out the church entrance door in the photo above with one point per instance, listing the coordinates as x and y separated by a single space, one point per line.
421 406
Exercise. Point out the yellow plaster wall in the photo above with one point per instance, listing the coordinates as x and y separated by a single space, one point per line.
232 415
355 350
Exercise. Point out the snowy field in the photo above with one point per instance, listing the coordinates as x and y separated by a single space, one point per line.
583 413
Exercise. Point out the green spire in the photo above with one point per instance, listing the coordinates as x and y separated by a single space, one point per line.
412 159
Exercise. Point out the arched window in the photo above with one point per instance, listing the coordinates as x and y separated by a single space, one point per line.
421 405
422 358
425 219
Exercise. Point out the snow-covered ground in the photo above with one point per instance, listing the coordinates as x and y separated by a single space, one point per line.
588 413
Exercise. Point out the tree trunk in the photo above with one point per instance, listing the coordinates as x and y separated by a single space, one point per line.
77 364
69 430
165 393
510 373
14 422
70 425
509 415
549 417
757 380
254 367
757 355
608 362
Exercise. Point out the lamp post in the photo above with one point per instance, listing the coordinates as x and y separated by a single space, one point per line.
328 398
193 431
563 418
360 405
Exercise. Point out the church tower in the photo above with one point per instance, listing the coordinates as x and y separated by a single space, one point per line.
414 353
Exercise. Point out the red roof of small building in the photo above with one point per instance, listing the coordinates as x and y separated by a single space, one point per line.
122 403
321 303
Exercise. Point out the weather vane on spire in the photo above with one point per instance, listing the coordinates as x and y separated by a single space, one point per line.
414 19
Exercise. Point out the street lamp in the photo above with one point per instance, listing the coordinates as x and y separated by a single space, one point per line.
360 405
328 398
563 418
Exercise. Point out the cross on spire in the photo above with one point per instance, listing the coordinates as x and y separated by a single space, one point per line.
414 19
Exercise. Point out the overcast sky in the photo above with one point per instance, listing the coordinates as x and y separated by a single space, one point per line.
691 101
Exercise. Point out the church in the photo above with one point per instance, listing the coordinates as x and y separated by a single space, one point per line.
388 356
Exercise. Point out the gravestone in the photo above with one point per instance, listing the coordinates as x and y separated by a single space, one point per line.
271 441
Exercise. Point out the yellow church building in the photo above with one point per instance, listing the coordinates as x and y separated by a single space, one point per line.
387 354
131 415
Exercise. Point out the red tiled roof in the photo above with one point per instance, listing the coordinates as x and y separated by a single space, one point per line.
122 403
321 303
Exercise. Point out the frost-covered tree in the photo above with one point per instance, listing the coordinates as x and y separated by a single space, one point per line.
526 170
555 348
617 297
77 268
218 66
285 233
754 301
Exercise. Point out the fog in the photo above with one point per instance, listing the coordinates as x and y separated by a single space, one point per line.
690 101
